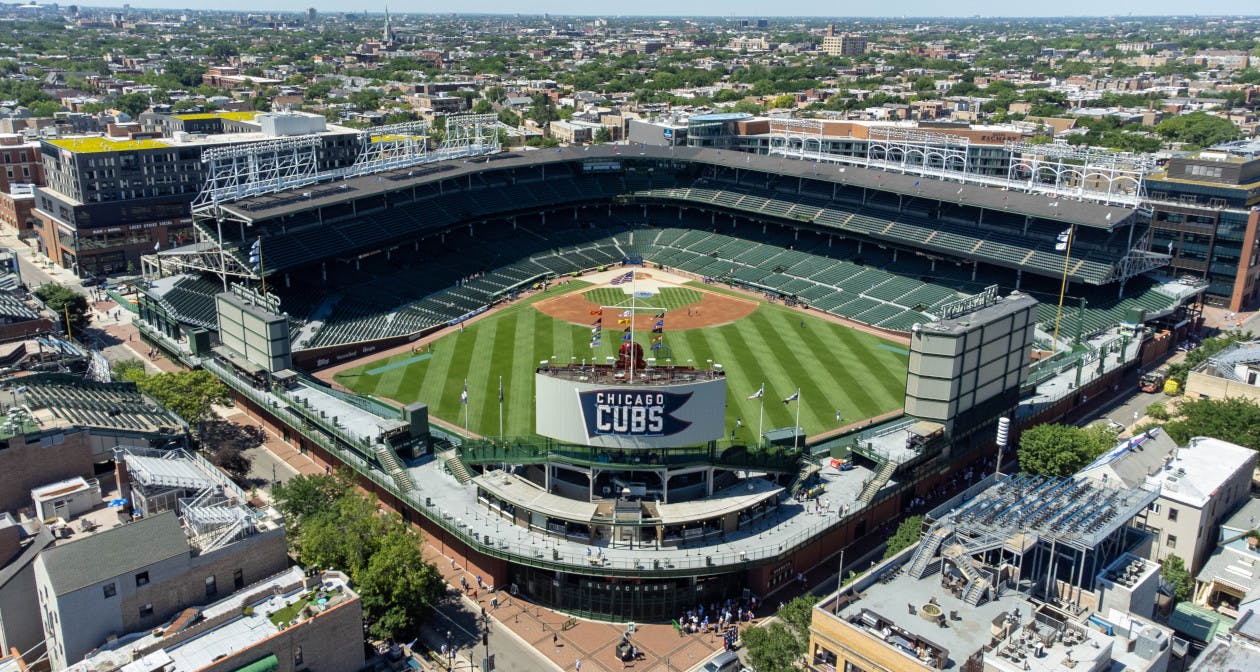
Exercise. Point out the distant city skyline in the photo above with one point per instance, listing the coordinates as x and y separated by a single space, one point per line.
726 8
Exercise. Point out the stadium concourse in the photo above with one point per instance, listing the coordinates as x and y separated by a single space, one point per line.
365 264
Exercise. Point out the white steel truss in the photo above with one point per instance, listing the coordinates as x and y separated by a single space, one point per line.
393 146
240 171
1055 169
1082 172
470 135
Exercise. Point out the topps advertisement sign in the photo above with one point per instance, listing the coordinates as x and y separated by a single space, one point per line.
631 416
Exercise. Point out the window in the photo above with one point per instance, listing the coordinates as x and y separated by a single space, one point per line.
142 579
1172 541
110 590
1154 507
1172 515
212 587
146 611
238 580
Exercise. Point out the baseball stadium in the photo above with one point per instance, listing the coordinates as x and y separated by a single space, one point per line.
552 361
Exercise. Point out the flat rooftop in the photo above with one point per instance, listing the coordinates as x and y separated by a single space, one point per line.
199 652
1200 468
355 421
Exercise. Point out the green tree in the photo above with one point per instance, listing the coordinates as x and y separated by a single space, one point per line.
397 586
307 495
345 536
907 535
1199 129
772 648
1235 419
131 103
67 304
1173 570
778 646
1157 411
746 106
602 135
1062 450
483 107
188 394
130 370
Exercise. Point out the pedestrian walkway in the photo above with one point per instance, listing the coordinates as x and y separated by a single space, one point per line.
593 642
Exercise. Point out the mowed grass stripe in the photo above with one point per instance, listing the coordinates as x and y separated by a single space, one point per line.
833 365
775 326
519 381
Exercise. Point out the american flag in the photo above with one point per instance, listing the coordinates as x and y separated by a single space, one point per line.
624 278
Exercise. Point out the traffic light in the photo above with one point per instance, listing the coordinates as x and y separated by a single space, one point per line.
485 639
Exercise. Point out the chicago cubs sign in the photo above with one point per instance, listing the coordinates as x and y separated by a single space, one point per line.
632 412
587 412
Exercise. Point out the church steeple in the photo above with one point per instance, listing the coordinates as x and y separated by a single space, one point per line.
389 37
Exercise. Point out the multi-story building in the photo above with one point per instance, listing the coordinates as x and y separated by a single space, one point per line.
111 199
847 44
1199 485
194 541
1230 374
241 632
22 163
1205 215
996 585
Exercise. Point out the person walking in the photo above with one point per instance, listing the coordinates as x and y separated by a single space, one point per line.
577 665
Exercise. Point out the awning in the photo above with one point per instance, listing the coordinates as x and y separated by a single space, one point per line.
268 664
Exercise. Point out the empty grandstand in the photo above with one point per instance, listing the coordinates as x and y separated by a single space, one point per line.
403 252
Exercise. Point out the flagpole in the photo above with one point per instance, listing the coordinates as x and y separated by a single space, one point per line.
761 416
500 406
465 404
1058 313
262 270
633 288
796 431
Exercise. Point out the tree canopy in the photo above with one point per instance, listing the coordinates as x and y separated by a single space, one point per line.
188 394
68 305
1199 129
1236 420
778 646
1062 450
907 535
1173 571
334 525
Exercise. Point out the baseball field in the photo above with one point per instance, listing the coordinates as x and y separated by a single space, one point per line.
836 368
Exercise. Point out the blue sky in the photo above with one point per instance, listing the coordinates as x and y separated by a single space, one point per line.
741 8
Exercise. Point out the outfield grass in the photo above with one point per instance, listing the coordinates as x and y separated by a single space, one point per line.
836 368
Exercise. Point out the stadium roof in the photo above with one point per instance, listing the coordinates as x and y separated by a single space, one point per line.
313 197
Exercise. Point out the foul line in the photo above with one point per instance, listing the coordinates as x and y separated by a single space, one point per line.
398 365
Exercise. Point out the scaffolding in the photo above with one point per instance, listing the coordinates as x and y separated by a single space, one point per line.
1054 169
1044 518
256 168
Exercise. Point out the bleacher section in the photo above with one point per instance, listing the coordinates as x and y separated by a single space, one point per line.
1104 309
447 282
447 277
1092 263
105 405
